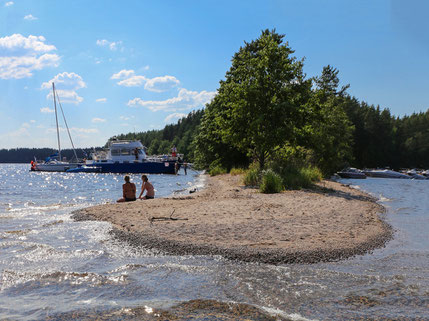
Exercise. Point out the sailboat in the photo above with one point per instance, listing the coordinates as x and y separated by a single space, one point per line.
54 163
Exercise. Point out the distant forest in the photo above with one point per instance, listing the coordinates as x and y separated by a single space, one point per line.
26 155
380 139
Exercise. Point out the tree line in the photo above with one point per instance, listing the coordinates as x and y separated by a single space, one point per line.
26 155
267 112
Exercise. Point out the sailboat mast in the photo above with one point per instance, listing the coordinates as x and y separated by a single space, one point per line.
56 119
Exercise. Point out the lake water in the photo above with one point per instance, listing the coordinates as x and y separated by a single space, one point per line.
51 265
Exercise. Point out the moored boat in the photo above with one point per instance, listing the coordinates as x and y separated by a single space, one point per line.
125 156
351 172
384 173
426 173
415 175
55 163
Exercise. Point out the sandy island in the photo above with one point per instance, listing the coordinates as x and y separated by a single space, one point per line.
327 223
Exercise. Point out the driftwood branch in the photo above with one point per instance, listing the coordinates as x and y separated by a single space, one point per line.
164 218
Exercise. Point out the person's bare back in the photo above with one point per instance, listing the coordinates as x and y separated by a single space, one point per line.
128 191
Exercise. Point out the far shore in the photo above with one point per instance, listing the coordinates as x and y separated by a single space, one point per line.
326 223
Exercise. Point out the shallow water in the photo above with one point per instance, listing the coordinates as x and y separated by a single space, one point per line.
52 266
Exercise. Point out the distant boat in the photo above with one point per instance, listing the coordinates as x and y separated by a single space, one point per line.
55 163
384 173
426 173
52 164
351 172
126 156
413 173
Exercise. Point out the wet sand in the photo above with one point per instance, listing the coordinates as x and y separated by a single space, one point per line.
329 222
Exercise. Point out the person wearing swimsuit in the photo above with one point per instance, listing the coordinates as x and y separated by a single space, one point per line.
150 191
128 191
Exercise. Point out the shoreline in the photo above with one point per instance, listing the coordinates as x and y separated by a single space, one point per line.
328 223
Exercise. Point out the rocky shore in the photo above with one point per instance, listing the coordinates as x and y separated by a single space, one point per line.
327 223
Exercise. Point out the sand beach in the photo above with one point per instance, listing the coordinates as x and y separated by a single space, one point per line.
326 223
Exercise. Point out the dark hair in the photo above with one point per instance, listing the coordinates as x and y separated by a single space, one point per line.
127 178
144 177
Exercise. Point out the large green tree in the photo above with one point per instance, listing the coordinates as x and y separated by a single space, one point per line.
328 131
258 104
209 147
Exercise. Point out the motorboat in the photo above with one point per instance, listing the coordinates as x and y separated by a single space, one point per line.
426 173
129 156
415 175
385 173
351 172
55 163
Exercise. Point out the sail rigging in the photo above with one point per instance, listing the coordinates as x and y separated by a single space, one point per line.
56 97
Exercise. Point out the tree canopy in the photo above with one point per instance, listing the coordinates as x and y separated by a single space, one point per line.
260 98
266 103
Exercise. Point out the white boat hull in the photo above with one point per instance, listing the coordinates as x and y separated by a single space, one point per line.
56 167
385 173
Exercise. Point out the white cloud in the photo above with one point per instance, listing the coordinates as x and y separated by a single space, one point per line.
46 110
98 120
173 117
126 117
84 130
101 100
66 85
20 132
32 121
134 81
20 56
185 100
30 17
128 78
102 43
123 74
75 130
160 84
110 44
32 44
67 96
8 4
67 81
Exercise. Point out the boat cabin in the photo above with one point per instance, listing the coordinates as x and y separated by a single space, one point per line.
121 151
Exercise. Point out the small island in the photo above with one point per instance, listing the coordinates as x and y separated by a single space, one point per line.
328 222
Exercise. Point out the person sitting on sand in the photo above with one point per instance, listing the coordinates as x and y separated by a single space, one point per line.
150 191
128 191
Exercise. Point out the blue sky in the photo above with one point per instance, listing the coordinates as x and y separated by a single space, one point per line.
125 66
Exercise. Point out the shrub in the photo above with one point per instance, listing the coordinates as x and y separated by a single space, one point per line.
271 182
252 177
237 171
313 173
296 178
217 170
